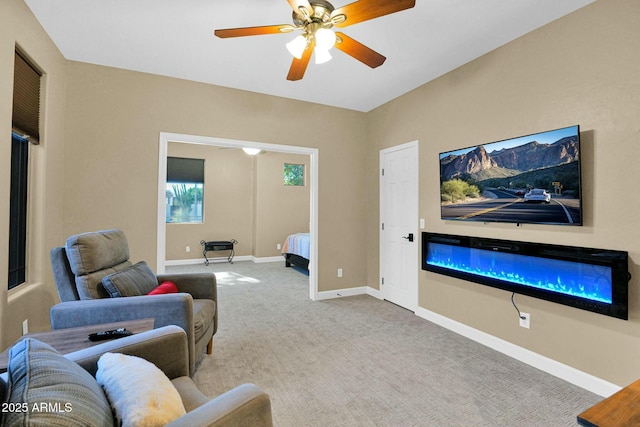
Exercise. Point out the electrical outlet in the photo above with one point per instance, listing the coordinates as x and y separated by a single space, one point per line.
188 249
339 272
278 246
25 327
525 320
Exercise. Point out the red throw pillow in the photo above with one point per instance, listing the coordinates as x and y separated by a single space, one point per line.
164 288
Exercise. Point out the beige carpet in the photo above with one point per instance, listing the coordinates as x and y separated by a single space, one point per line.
359 361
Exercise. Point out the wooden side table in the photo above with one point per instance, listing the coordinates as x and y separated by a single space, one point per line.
73 339
618 410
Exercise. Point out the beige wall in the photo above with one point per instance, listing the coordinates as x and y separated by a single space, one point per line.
232 211
114 118
228 202
32 300
582 69
279 210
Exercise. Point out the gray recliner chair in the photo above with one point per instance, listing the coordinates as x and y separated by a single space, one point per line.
80 266
38 376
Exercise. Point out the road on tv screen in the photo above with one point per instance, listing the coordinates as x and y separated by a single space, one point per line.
507 207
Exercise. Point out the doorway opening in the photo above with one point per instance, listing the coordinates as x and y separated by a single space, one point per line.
166 138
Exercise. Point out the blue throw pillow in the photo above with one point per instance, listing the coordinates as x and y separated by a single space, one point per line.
136 280
45 388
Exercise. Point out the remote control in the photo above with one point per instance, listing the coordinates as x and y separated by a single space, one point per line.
108 335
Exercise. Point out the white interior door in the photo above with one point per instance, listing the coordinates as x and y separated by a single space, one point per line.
399 240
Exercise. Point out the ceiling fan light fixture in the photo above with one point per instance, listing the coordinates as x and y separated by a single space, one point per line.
297 46
322 55
251 151
325 38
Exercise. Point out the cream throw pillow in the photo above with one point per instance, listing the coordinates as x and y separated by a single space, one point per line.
140 393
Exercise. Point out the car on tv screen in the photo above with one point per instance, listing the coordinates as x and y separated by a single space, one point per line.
537 195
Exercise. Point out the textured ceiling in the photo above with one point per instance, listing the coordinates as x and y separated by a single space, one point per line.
175 38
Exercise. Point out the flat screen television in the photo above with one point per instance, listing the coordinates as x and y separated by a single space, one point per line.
528 179
587 278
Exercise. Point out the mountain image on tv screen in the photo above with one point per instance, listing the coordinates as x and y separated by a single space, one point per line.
528 179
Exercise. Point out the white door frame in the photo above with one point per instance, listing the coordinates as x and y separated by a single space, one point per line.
412 144
166 137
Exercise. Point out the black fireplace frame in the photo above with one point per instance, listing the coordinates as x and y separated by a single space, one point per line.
617 261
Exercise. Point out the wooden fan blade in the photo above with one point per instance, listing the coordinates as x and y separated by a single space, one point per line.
359 51
299 66
363 10
297 4
254 31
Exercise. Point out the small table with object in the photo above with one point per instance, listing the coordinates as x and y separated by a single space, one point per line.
218 245
69 340
618 410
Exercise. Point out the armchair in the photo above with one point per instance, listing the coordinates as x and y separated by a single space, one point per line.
79 268
40 375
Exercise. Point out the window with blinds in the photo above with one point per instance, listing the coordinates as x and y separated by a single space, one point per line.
25 123
26 99
185 190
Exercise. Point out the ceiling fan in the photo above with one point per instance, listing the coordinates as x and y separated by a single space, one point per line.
316 18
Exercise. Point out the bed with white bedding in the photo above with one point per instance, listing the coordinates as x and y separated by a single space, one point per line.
296 249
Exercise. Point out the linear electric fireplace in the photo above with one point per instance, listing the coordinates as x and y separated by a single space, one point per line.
586 278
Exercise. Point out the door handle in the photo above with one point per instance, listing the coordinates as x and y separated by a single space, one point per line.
409 237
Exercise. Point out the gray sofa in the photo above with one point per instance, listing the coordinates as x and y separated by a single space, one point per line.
47 388
85 272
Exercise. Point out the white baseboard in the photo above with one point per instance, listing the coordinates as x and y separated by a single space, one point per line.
567 373
184 261
339 293
260 260
193 261
374 292
257 260
349 292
